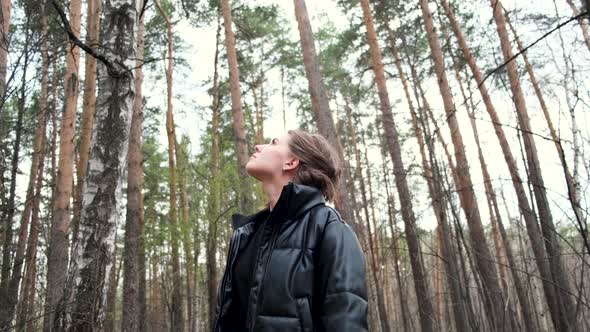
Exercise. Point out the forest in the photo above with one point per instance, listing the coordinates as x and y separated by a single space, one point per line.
463 127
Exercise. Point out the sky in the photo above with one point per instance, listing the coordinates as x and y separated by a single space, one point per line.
191 102
191 119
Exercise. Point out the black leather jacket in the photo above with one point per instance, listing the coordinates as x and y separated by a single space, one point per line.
309 273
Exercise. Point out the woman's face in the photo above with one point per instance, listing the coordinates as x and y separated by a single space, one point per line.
273 160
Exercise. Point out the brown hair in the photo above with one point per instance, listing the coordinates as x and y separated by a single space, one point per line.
319 164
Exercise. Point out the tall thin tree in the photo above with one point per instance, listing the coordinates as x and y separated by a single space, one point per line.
241 145
527 212
213 197
176 306
26 304
572 184
88 105
319 102
563 310
4 44
9 281
57 258
426 308
486 269
131 319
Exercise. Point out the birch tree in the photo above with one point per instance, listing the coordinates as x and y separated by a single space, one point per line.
94 252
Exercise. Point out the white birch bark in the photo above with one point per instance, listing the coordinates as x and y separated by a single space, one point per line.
93 253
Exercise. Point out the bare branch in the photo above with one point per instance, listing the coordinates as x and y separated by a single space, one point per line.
545 35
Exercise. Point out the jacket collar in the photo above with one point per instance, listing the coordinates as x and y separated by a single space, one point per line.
295 200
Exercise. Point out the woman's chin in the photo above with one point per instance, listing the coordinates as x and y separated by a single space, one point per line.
256 173
251 170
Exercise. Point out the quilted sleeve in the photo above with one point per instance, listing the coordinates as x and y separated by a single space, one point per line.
343 291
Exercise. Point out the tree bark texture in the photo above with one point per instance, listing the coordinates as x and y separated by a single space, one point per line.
484 261
570 181
406 326
26 304
528 214
374 261
241 145
88 105
176 306
57 260
319 104
438 203
93 254
131 319
10 298
563 310
426 308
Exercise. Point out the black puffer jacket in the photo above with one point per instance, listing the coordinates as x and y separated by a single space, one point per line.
309 273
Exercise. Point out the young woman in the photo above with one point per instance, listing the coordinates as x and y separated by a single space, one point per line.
294 266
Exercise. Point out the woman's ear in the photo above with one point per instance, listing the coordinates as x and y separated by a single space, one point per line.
291 164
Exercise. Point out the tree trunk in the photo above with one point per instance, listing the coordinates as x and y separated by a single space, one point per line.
395 248
28 293
138 110
259 106
9 284
371 203
438 288
131 319
319 105
110 309
426 309
501 237
53 137
523 203
563 310
572 185
141 267
57 260
438 202
156 312
176 314
94 252
492 292
375 264
4 25
583 25
88 107
213 195
183 166
241 145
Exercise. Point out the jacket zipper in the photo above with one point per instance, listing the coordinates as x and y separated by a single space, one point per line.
273 238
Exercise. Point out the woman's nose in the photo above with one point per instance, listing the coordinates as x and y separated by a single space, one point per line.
258 148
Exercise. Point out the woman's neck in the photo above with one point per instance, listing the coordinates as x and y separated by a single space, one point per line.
273 191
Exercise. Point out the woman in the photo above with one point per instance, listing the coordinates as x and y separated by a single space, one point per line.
294 266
